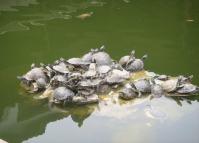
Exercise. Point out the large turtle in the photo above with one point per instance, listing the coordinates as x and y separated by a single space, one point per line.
136 64
61 68
170 85
142 85
125 59
188 88
62 94
102 58
117 76
91 73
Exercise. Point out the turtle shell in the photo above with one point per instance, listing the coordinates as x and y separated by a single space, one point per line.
102 58
62 93
188 89
77 61
61 67
143 85
103 69
136 65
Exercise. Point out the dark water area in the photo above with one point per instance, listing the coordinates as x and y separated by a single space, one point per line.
44 30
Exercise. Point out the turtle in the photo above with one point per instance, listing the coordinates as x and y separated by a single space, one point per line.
170 85
90 83
85 15
185 79
102 58
91 73
128 92
103 69
77 62
136 64
188 88
32 75
62 94
41 83
61 68
156 89
58 80
125 59
81 100
88 56
117 76
142 85
163 77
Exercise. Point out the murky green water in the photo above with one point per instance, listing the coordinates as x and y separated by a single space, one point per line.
43 30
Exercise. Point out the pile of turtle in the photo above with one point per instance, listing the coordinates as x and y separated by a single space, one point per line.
83 80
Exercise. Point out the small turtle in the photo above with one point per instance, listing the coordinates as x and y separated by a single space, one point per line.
136 64
81 100
88 56
142 85
170 85
125 59
32 75
61 68
102 58
62 94
188 88
185 79
103 69
156 89
90 83
85 15
128 92
117 76
91 73
163 77
58 80
77 62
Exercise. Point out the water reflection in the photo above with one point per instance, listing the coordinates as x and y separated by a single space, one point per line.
11 5
16 120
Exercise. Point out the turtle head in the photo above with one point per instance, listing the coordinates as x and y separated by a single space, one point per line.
42 65
33 66
152 81
102 48
132 53
62 59
145 57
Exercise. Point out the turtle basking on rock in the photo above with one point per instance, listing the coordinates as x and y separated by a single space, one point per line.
82 80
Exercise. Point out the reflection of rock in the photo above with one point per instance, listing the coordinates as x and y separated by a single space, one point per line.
79 114
7 5
20 124
112 107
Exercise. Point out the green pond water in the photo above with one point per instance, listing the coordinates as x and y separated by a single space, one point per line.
44 30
